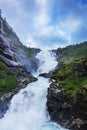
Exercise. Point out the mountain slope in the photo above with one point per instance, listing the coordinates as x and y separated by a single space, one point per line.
13 52
15 65
67 95
71 52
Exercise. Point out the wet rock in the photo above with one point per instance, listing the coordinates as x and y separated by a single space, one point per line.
24 78
66 111
78 122
19 61
46 75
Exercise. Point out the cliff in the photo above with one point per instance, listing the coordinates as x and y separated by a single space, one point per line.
13 52
67 95
16 64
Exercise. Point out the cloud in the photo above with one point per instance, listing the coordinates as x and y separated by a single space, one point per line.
30 42
70 24
61 30
44 23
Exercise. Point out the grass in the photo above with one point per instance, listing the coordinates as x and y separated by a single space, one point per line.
7 84
72 77
72 87
71 52
8 81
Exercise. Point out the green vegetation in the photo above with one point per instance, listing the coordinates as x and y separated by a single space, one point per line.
70 53
3 69
72 87
72 77
31 52
8 81
72 72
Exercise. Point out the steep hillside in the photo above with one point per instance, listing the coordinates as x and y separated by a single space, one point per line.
71 52
13 52
67 95
16 63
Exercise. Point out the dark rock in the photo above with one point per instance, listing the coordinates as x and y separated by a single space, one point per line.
46 75
24 78
70 113
18 60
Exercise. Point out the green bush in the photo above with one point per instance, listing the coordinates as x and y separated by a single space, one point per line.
7 84
8 81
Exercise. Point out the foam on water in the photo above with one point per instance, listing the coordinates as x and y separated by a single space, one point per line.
27 110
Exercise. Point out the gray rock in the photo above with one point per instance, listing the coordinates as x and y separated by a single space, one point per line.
70 113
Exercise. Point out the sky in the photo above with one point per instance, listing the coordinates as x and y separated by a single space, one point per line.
47 23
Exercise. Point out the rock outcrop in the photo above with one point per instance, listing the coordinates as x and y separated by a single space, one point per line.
67 112
67 95
23 78
16 65
13 52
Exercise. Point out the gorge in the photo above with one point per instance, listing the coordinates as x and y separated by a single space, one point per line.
28 108
38 89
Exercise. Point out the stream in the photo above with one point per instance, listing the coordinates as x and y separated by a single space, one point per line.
28 110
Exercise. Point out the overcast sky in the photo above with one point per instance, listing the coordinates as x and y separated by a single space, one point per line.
47 23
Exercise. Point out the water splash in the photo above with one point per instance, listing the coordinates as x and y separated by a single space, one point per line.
47 61
28 108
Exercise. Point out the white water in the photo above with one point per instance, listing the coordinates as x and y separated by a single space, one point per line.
28 108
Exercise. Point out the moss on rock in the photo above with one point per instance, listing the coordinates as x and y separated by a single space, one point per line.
8 81
72 77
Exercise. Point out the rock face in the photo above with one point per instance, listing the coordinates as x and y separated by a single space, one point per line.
67 112
14 62
14 55
23 78
46 75
67 95
13 52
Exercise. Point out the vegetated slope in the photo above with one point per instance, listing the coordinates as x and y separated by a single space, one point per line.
67 96
72 52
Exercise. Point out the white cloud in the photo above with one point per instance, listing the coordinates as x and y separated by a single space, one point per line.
12 9
30 42
13 3
70 24
34 26
42 17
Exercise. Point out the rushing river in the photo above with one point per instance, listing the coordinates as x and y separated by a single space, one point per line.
28 110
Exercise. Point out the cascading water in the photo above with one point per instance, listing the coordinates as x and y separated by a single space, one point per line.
27 110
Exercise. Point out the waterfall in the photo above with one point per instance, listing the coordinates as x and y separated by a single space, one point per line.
28 110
